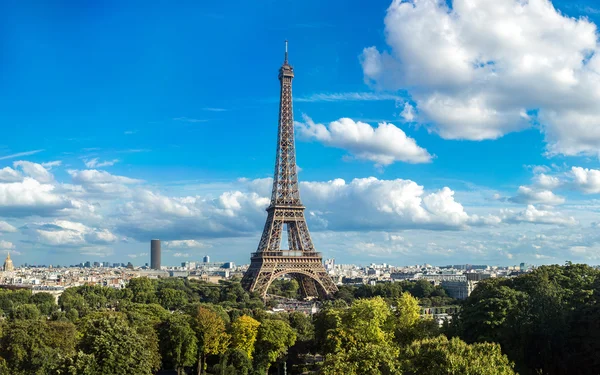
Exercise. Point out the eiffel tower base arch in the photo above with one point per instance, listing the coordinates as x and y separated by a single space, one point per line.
310 275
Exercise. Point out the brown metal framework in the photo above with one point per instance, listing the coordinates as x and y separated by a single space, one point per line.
301 261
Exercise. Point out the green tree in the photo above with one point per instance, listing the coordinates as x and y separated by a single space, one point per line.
117 347
178 342
361 342
233 362
45 303
368 359
26 311
143 290
407 323
243 334
274 338
172 299
36 347
212 338
440 356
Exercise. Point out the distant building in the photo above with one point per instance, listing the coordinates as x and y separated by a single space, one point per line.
155 254
476 276
206 259
523 267
459 289
87 264
8 264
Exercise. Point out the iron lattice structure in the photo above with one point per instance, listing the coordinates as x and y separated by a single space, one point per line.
301 261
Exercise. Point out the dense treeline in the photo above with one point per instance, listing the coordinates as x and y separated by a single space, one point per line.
192 327
547 321
427 293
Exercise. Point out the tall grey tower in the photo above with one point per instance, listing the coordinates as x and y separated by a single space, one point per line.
286 212
155 254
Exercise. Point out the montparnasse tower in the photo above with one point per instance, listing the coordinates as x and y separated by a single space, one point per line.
8 264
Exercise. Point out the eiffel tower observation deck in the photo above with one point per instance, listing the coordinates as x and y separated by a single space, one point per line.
286 212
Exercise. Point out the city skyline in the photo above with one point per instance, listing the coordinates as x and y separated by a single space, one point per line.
478 148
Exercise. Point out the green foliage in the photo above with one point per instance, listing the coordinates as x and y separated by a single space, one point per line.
210 331
285 288
440 356
243 334
233 362
368 359
428 294
274 338
178 342
545 321
36 347
358 340
407 324
172 299
26 311
117 347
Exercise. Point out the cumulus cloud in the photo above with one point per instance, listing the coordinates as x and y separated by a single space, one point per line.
7 174
30 197
529 195
479 70
6 245
545 181
586 180
384 144
6 227
35 171
68 233
186 244
534 215
95 163
233 213
102 183
383 205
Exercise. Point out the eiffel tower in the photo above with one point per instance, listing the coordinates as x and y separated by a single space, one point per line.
301 260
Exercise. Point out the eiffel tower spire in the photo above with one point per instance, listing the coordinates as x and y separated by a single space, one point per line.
301 261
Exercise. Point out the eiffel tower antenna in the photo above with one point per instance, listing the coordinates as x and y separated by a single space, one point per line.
301 260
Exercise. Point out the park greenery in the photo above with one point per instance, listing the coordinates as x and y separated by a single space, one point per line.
544 322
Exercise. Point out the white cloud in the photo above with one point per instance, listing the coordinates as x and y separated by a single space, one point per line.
528 195
52 164
482 69
68 233
102 183
186 244
538 216
19 154
545 181
181 255
586 180
383 204
30 197
6 245
6 227
35 171
7 174
140 255
95 163
408 113
383 145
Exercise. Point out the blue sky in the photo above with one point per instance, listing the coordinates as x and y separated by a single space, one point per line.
125 122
